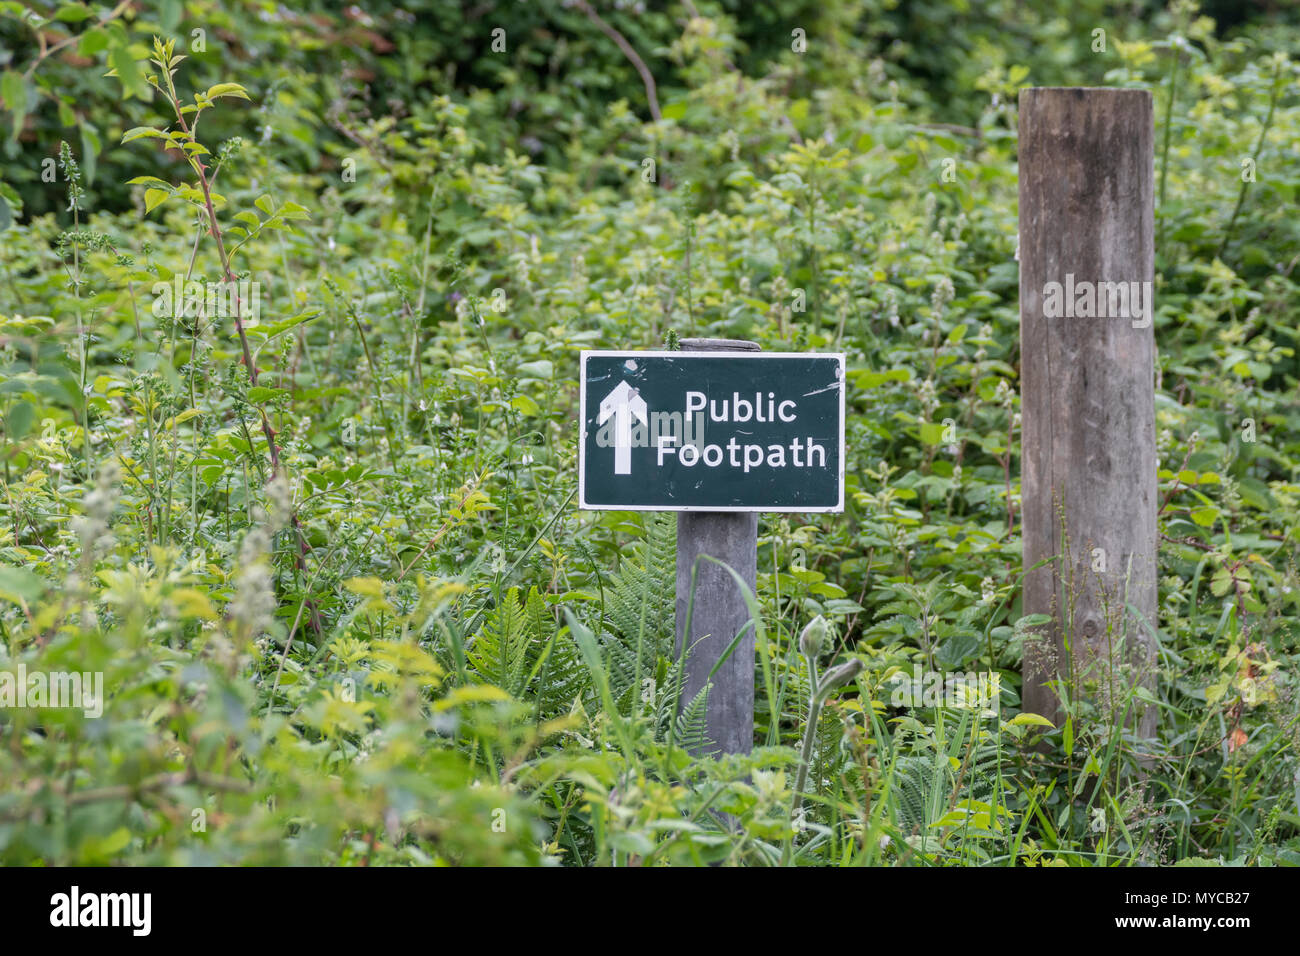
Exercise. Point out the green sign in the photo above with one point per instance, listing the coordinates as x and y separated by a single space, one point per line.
712 431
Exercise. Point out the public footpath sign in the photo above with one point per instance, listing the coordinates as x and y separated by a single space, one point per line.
712 431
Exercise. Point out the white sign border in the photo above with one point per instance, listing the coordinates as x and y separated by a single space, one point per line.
585 354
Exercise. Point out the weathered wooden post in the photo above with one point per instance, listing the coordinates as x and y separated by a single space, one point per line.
1087 351
719 611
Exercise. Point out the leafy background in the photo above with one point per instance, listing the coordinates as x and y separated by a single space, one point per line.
401 643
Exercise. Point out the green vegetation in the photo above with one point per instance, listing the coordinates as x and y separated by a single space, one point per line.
321 539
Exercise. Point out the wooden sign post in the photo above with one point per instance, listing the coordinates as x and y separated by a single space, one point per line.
718 431
1087 354
719 610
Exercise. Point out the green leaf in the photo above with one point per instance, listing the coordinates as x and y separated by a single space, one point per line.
1034 620
149 181
1030 720
20 586
271 330
139 132
543 368
842 606
526 405
226 89
471 694
14 90
90 147
1221 583
1214 692
365 586
93 42
73 13
128 71
931 433
153 198
19 420
1256 494
260 394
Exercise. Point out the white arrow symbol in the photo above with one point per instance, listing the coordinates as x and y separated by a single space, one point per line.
624 404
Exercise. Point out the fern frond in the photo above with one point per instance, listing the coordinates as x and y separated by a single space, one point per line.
518 649
641 606
498 652
560 676
691 730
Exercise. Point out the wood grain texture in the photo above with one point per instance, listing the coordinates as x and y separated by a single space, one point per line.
719 345
1088 466
719 611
